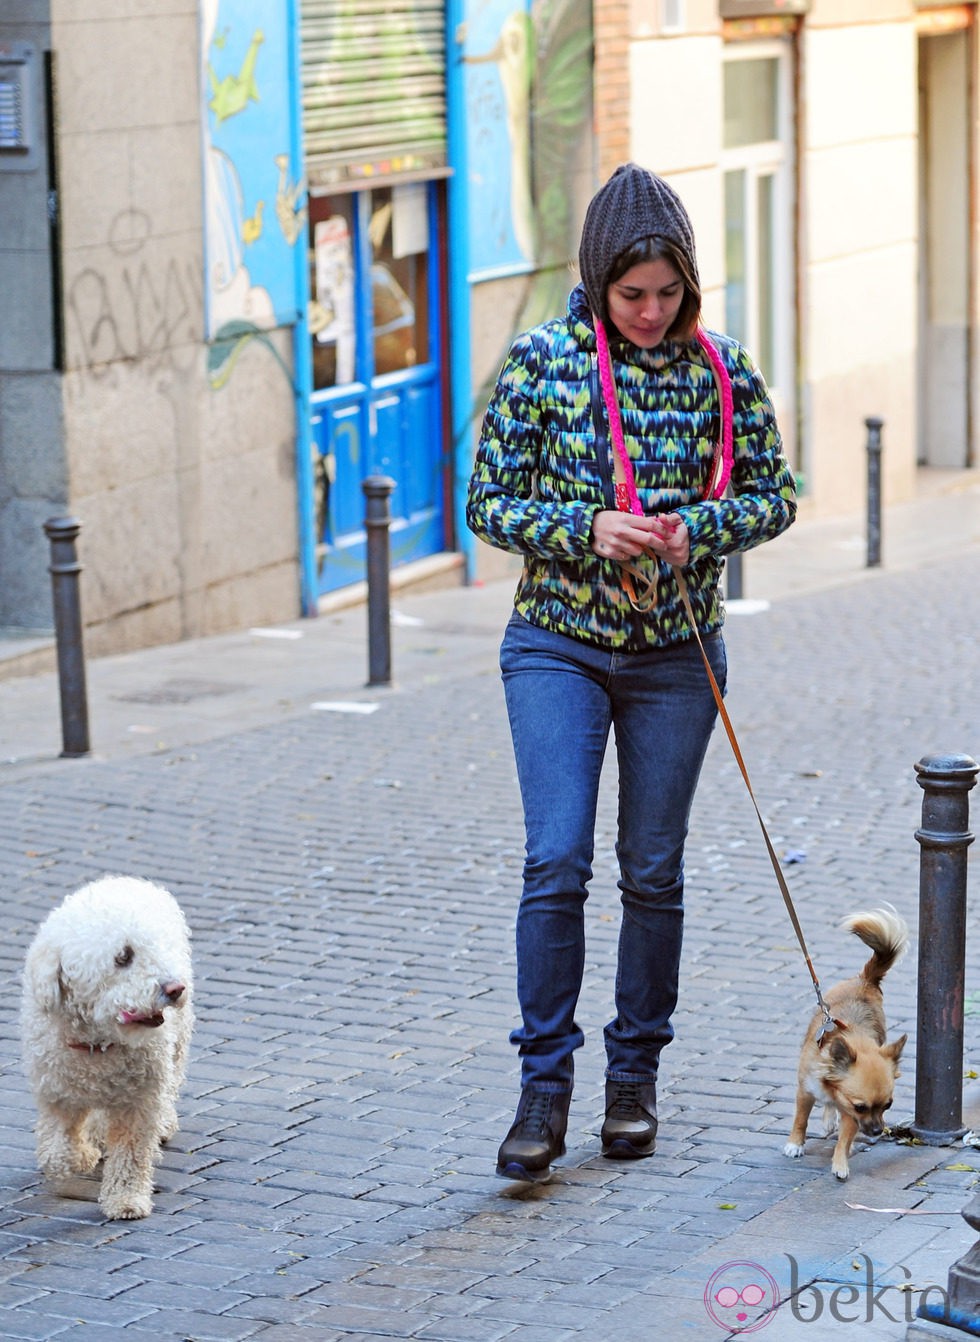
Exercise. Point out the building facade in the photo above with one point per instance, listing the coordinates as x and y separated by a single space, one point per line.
295 260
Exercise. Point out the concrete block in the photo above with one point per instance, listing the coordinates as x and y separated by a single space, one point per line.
148 185
860 303
861 84
129 72
124 425
24 12
837 480
657 71
95 186
24 211
251 515
66 13
166 176
32 454
25 583
134 552
878 180
26 335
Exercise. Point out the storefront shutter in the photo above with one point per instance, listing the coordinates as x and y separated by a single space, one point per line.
373 90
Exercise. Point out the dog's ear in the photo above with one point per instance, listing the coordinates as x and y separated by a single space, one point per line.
840 1055
45 977
893 1051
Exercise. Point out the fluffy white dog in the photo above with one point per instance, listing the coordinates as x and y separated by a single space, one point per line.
106 1019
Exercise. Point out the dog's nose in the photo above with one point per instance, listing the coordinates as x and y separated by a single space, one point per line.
172 991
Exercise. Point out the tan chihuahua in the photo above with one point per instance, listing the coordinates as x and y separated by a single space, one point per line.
850 1067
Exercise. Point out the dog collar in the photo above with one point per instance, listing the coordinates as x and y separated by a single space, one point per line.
91 1048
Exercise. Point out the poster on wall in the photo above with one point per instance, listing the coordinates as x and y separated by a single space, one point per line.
254 204
334 281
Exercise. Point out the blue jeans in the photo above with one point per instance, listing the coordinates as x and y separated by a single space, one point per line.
562 698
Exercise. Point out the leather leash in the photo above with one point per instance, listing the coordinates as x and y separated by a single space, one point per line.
628 501
830 1023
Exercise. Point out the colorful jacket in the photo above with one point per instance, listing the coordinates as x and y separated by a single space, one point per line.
543 469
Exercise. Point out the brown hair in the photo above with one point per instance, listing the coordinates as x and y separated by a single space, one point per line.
657 248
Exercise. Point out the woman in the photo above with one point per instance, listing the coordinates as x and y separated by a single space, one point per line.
598 462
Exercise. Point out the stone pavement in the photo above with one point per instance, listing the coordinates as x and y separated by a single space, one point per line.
349 858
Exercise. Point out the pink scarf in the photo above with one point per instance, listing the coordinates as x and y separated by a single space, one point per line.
627 499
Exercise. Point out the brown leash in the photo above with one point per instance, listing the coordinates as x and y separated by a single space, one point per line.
829 1022
628 501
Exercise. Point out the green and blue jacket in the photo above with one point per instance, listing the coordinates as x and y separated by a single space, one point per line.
544 468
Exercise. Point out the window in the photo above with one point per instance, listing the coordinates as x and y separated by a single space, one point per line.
672 16
758 185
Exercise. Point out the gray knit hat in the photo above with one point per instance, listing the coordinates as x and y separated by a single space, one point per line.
633 204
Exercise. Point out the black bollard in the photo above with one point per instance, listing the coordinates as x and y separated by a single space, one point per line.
65 569
377 491
733 575
944 838
959 1305
874 425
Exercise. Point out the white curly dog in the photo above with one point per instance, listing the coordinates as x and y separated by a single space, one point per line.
106 1019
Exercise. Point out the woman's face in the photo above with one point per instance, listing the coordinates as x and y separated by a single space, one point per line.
644 302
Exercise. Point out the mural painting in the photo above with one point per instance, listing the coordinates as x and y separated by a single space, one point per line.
528 89
255 211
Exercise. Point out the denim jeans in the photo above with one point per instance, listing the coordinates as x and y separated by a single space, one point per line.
562 698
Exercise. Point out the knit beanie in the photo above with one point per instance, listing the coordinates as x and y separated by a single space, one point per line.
633 204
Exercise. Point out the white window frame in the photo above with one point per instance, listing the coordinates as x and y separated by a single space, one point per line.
673 18
775 159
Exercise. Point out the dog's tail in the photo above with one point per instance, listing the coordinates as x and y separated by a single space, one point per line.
886 932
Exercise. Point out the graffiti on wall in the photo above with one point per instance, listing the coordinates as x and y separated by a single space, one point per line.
254 202
145 311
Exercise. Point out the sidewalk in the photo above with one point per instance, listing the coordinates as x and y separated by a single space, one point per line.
182 693
349 858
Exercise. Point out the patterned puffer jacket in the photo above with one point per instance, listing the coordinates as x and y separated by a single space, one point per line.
544 468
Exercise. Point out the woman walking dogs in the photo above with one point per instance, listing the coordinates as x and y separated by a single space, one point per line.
606 450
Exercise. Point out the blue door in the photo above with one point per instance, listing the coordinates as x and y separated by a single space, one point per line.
377 373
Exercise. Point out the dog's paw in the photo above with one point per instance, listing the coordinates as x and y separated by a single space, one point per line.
840 1170
85 1156
62 1160
793 1149
169 1124
129 1207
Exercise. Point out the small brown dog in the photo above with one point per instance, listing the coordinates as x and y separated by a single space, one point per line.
851 1068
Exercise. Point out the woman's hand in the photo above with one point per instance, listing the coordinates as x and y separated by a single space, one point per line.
618 535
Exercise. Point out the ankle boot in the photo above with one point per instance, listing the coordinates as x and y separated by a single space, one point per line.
630 1129
536 1137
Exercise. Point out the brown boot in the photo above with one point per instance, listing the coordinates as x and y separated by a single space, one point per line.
630 1129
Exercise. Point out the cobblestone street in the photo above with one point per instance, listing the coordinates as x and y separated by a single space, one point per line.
351 881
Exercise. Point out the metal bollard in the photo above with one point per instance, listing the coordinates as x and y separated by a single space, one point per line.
874 426
959 1305
733 576
944 838
64 569
378 490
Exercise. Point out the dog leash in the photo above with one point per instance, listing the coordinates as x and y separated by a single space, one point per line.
627 500
830 1023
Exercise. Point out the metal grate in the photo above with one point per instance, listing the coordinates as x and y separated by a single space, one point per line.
373 88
